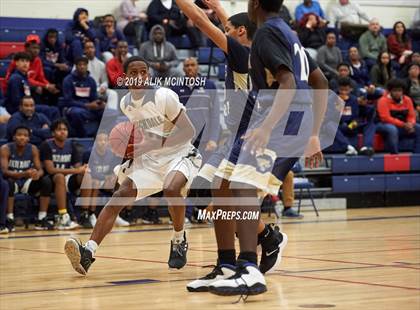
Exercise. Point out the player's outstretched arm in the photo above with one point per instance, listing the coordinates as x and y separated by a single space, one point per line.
185 132
218 8
202 22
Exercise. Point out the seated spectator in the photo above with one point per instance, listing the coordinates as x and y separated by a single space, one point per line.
372 43
399 44
397 117
160 54
77 32
4 117
97 71
346 12
329 57
53 58
81 98
309 6
312 34
63 165
4 193
167 13
132 22
285 15
203 109
21 165
18 87
114 67
356 118
108 37
38 123
415 59
44 91
382 72
413 86
344 71
359 72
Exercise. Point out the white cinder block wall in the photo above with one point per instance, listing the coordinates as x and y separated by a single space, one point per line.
388 11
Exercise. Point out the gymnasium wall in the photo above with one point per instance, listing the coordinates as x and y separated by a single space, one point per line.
388 11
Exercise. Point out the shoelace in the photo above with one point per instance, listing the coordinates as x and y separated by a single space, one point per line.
180 248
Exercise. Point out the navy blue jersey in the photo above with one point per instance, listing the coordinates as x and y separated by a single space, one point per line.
102 166
276 45
20 163
63 158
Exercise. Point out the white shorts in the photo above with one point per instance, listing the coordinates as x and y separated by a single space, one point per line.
149 174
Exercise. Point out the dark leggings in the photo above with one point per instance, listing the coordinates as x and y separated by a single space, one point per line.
42 186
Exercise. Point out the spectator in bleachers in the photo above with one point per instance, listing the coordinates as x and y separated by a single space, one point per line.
44 91
4 192
382 72
344 71
312 34
108 37
114 67
203 109
309 6
346 12
132 22
359 72
285 15
63 164
329 57
355 119
415 59
397 117
160 54
77 32
413 86
18 87
399 44
53 58
372 43
167 14
21 165
81 98
38 123
4 116
97 71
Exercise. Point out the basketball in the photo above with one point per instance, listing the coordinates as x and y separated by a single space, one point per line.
123 135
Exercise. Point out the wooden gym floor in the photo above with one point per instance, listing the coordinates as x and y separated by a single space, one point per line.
355 259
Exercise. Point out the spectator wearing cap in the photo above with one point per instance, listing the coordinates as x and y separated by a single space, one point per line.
372 43
78 31
397 117
52 54
19 86
108 37
114 67
81 98
44 91
309 6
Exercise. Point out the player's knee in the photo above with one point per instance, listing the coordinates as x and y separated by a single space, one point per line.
46 186
59 178
172 191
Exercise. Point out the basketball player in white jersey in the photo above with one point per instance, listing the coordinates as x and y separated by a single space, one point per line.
164 161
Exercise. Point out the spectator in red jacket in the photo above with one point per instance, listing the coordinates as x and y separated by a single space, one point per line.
397 117
399 44
36 75
114 67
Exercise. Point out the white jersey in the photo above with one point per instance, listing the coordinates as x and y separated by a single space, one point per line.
155 113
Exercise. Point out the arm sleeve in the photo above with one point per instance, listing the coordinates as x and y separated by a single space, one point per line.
298 13
103 78
237 56
112 72
45 151
364 47
411 118
279 51
322 62
172 104
361 13
173 62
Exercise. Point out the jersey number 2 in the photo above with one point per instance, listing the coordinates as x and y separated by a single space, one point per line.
304 63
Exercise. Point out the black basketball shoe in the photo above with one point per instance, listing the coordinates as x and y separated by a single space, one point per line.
80 258
272 246
178 254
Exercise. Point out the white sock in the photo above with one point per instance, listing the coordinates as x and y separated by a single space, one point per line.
178 236
41 215
10 216
91 246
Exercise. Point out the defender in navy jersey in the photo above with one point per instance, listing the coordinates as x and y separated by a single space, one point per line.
4 192
63 163
279 63
22 169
